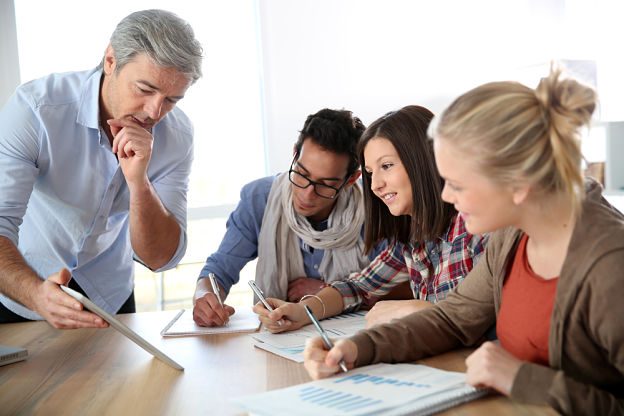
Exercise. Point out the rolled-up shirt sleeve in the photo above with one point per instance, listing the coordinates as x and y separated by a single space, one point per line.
19 150
172 190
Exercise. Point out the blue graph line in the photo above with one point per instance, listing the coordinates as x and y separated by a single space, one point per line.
348 400
333 399
342 398
327 397
365 378
362 404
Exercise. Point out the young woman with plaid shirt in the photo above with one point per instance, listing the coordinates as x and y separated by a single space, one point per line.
429 246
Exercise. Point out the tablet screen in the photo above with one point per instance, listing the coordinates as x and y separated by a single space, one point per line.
129 333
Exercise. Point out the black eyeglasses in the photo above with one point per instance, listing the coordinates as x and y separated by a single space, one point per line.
322 190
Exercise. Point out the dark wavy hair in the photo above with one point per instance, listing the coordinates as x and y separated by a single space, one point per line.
335 130
406 129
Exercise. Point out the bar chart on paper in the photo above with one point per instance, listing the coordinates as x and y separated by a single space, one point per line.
376 389
347 402
290 345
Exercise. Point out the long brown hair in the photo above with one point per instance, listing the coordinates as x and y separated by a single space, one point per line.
406 129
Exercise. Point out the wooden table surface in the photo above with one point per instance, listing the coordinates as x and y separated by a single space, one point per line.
100 372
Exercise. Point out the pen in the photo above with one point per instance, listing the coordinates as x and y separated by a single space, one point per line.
215 287
326 339
260 295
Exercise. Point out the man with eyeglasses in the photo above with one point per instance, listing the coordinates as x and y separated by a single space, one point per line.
304 225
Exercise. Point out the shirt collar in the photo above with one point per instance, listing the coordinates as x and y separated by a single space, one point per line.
89 107
456 229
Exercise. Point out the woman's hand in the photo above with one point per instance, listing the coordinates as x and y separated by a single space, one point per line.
321 363
491 366
291 315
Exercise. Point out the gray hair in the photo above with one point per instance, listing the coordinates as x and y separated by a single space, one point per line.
166 39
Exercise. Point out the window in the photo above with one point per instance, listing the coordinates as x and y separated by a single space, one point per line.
224 105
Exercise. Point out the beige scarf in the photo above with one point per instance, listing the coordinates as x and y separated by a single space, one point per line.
279 254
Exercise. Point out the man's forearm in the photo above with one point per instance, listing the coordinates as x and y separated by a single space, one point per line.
18 280
154 231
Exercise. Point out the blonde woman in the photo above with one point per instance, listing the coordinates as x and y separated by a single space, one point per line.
551 277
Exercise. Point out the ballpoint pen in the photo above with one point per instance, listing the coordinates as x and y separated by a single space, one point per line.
260 295
215 287
326 339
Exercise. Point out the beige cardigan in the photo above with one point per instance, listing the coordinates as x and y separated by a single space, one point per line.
586 345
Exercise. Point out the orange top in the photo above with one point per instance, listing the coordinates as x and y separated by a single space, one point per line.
523 322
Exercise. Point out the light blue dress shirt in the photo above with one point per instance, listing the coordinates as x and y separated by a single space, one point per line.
63 197
240 243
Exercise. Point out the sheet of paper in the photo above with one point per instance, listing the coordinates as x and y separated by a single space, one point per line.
244 320
290 344
374 389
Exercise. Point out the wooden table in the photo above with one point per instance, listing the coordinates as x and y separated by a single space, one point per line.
100 372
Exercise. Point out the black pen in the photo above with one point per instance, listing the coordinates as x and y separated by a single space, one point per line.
326 339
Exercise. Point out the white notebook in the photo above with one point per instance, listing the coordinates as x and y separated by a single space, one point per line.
290 344
243 320
380 389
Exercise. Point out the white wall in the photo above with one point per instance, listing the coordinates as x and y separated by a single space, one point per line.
374 56
224 105
9 63
369 56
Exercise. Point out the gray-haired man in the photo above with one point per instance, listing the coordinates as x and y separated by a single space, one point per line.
94 169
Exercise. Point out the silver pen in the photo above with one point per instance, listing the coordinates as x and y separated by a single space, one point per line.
326 339
260 295
215 287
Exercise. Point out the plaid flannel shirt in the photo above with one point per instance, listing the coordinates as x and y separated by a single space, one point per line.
433 268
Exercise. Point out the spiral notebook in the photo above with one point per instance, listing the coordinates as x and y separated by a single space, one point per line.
380 389
244 320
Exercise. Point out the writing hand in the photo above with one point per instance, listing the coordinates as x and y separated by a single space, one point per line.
207 311
321 363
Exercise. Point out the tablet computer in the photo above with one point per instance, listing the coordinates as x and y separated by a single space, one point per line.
129 333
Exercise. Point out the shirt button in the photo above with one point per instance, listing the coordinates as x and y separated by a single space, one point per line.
316 266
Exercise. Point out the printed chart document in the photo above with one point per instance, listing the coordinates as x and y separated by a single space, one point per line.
244 320
380 389
290 344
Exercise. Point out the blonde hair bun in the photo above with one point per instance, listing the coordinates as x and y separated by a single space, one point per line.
520 132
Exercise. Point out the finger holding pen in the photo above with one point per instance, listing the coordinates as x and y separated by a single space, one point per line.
321 362
273 319
328 342
207 310
216 289
269 307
